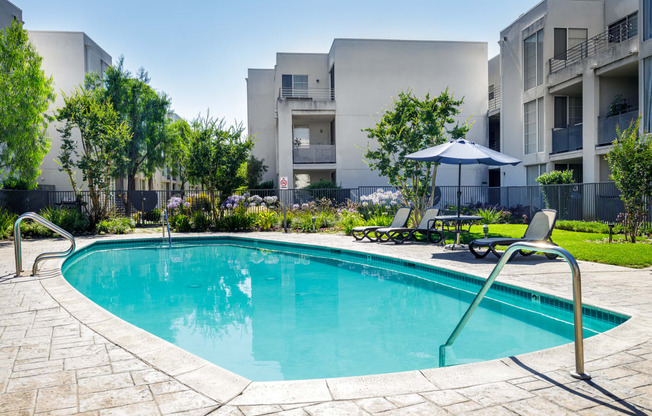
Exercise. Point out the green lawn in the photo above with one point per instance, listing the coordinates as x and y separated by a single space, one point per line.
584 246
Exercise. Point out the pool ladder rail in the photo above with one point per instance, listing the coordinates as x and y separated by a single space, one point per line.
166 223
577 300
43 256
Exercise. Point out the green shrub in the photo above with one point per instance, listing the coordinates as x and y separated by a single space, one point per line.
201 221
199 202
153 215
289 217
267 220
265 185
326 219
17 184
323 184
348 220
381 220
489 215
587 227
70 220
303 221
182 223
34 229
7 219
238 221
115 226
556 177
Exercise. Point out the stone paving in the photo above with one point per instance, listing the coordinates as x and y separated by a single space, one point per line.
62 355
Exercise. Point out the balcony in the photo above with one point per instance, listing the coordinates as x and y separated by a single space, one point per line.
321 94
494 99
595 45
566 139
607 126
313 154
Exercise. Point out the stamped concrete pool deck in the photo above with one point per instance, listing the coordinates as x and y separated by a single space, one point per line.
60 354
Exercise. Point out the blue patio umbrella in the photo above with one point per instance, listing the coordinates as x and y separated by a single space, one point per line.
462 152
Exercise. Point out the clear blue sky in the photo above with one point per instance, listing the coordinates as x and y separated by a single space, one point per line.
198 51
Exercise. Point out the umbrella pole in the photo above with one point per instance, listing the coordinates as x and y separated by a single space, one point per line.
459 200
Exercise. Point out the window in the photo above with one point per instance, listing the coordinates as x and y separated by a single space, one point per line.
533 60
301 136
577 37
568 111
533 126
647 19
623 29
574 111
560 44
294 85
532 172
492 92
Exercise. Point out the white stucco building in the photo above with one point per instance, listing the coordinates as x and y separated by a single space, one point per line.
67 57
9 12
569 71
308 112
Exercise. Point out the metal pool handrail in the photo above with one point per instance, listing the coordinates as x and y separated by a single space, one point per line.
167 223
577 301
43 256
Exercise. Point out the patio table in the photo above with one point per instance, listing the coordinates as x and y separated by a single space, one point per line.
458 226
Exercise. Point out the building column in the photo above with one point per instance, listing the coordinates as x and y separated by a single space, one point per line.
590 112
590 163
285 147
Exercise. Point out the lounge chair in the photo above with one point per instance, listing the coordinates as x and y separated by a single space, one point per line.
540 229
399 220
426 227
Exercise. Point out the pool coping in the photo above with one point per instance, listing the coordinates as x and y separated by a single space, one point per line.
225 387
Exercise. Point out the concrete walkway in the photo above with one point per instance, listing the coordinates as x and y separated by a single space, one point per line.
61 354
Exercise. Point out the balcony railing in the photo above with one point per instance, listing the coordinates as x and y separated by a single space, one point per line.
594 45
307 93
607 126
314 153
566 139
494 99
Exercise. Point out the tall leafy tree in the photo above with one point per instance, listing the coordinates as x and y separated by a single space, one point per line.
256 168
25 94
98 153
413 124
630 161
177 155
145 111
216 155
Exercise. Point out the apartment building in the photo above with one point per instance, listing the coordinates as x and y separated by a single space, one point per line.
308 112
67 57
568 73
9 12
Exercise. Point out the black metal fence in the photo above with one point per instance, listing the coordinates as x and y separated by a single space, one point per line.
588 201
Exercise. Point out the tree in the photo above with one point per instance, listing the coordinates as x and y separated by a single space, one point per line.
180 133
558 196
413 125
25 95
145 111
216 155
255 170
630 161
98 154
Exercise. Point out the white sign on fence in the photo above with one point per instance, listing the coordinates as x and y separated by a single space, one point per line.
283 182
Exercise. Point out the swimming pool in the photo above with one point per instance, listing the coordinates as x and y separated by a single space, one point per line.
279 311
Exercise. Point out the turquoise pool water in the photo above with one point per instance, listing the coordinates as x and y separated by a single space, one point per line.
272 311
